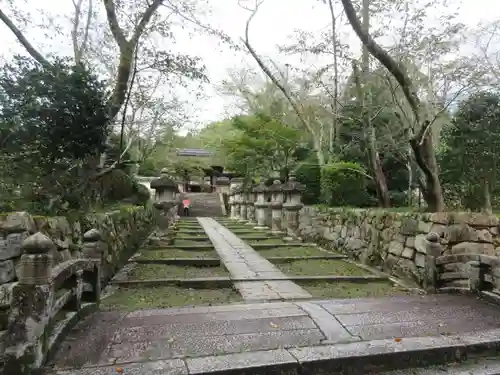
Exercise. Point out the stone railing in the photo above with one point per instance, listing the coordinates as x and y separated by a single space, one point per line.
121 232
46 302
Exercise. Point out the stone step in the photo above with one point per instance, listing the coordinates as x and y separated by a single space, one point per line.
478 366
440 355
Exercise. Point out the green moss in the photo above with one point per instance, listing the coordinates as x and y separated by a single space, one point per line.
130 299
292 252
177 253
269 241
325 289
181 242
321 267
164 271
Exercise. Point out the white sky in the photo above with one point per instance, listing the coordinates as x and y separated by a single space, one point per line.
275 22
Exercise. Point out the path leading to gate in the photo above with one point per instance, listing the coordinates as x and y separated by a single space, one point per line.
297 336
243 262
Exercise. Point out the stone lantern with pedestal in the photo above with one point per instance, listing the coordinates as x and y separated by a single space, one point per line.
222 184
244 200
165 198
251 197
260 205
293 203
276 190
232 204
234 186
237 202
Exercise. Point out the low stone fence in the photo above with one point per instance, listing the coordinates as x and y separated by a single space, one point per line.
47 301
57 268
122 231
395 242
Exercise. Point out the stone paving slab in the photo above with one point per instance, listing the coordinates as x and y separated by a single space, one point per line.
243 262
258 334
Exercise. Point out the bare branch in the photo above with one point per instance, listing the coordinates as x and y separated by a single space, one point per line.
114 26
271 76
385 59
22 39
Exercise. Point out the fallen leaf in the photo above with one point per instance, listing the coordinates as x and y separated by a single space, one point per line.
170 340
274 325
398 339
119 370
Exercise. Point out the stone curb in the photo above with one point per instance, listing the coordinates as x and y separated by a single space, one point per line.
229 280
353 358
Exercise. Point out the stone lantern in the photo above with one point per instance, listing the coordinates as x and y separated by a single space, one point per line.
165 198
251 197
237 202
244 204
222 185
232 204
234 184
276 205
165 187
260 205
293 203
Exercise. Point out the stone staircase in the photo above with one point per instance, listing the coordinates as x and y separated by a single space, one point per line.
204 204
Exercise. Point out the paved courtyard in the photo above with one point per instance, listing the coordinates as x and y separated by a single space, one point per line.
297 336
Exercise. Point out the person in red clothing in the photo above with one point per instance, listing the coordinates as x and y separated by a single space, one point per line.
187 204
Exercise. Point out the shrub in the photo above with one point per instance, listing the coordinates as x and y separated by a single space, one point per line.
309 174
344 184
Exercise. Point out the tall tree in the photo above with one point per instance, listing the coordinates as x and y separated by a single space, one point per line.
421 140
472 146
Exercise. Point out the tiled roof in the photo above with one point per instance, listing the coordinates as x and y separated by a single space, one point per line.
193 152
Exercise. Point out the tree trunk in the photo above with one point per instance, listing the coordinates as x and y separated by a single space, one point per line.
372 154
379 178
421 142
487 197
426 160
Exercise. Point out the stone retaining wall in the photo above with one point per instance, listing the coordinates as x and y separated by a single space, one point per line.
395 242
123 231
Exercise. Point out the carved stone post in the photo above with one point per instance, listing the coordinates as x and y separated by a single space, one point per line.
32 299
222 188
234 187
276 190
292 204
260 205
232 204
243 204
251 197
477 271
433 250
237 203
94 247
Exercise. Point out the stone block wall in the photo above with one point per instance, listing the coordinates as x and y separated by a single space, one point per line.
123 231
394 242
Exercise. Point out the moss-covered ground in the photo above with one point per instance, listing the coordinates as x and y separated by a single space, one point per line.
136 298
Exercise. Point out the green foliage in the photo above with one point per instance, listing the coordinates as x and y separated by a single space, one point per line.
262 145
309 174
51 114
149 168
344 184
53 124
471 150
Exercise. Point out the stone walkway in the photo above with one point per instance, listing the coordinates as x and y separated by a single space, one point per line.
243 262
315 335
